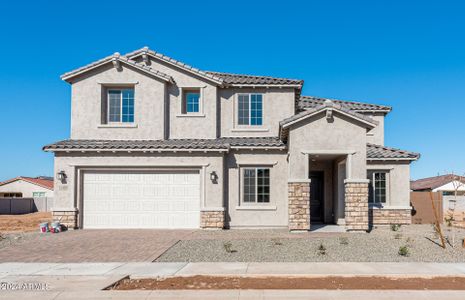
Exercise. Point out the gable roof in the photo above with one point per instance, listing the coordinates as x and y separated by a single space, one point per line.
378 152
327 105
242 79
307 102
116 58
431 183
174 62
40 181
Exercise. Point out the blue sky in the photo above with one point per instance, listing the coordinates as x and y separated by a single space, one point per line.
407 54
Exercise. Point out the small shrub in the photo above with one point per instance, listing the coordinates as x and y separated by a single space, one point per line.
277 242
403 251
398 236
344 241
449 220
395 227
228 247
322 249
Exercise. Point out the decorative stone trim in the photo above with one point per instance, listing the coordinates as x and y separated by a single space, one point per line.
356 205
66 217
212 219
386 216
299 204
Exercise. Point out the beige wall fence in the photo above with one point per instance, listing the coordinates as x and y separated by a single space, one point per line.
423 209
19 206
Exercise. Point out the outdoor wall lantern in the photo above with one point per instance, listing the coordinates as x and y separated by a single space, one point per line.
61 176
213 176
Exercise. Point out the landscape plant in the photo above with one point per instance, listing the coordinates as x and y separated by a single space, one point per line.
228 247
403 251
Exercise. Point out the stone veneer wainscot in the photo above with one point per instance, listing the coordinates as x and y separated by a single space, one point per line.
212 218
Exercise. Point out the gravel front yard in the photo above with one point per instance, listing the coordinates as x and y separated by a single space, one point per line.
381 245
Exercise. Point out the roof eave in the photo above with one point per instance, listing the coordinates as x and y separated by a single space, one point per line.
140 150
72 74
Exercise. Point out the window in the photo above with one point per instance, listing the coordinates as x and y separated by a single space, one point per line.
191 101
38 194
378 187
121 106
250 109
256 185
12 195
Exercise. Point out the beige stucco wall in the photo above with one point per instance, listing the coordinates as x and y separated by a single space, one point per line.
66 195
278 104
203 124
86 104
237 215
376 135
318 134
399 182
24 187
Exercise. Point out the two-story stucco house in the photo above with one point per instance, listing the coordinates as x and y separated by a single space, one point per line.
156 143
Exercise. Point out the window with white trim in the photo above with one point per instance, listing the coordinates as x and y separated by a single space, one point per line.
120 106
250 109
256 185
191 101
38 194
379 181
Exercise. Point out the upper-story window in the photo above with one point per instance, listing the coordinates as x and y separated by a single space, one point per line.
250 109
191 102
120 105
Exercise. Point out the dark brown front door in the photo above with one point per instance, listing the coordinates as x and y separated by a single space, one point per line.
316 196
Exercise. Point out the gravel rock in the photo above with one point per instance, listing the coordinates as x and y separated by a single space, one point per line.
380 245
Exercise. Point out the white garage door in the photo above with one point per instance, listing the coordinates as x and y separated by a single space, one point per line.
141 200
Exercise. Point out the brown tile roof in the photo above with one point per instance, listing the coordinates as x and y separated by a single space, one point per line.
306 102
172 61
171 144
431 183
116 57
239 79
378 152
40 181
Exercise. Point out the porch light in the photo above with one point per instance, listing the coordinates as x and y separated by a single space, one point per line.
61 176
213 176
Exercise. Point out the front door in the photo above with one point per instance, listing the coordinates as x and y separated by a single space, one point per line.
316 196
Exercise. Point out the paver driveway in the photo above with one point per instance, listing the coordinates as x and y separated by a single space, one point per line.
94 246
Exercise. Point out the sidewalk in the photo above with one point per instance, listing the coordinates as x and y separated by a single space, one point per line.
86 280
149 270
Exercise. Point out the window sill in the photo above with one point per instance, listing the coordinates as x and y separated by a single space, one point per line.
378 206
118 125
251 129
190 116
256 207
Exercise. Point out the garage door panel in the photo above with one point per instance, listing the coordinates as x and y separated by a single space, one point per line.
141 200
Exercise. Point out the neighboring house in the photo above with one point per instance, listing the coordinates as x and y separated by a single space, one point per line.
27 187
446 184
156 143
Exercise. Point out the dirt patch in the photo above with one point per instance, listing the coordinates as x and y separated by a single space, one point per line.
23 223
201 282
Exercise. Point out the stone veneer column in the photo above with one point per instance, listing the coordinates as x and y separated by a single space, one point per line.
299 204
66 217
212 218
356 204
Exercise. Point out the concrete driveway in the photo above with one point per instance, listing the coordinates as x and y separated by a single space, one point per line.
93 246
